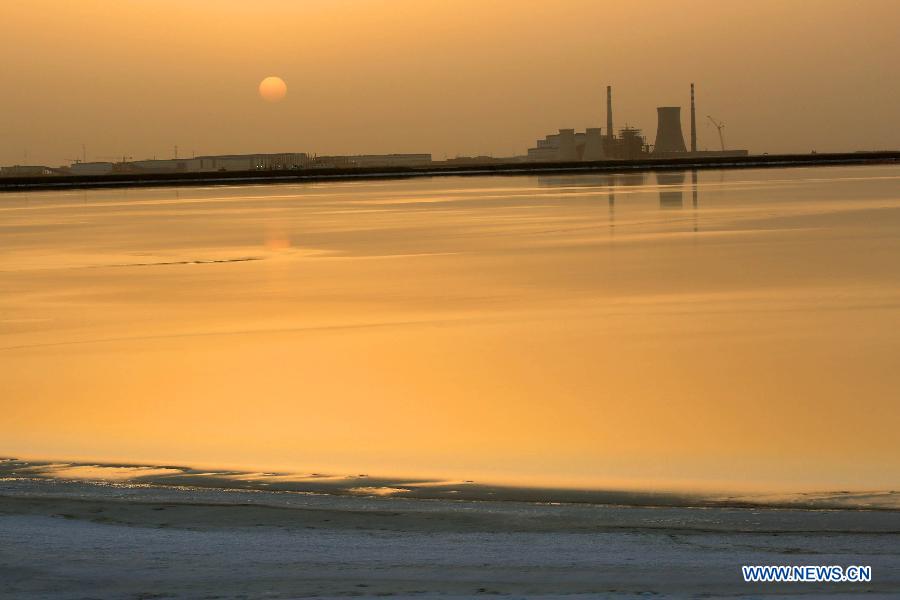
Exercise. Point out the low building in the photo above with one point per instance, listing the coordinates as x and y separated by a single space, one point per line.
545 154
469 160
28 171
249 162
254 162
226 162
331 162
390 160
91 168
198 164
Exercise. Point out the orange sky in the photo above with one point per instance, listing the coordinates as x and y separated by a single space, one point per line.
130 77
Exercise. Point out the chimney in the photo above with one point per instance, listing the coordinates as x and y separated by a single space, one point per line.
609 126
693 122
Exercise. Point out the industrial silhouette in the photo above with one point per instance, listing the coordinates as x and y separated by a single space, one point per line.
565 146
668 131
629 143
719 126
694 122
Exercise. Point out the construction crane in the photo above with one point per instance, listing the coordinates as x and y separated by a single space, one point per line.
720 126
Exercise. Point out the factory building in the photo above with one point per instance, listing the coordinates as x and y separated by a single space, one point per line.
594 148
199 164
569 146
331 162
590 145
481 160
226 162
28 171
91 168
368 161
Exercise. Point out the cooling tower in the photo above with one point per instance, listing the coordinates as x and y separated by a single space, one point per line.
668 130
593 144
567 151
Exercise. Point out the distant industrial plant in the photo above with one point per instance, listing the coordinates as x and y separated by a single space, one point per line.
567 145
630 144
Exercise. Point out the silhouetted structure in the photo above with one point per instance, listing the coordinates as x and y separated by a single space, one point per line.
91 168
390 160
480 160
630 143
28 171
567 145
609 120
567 151
668 130
593 145
693 122
284 161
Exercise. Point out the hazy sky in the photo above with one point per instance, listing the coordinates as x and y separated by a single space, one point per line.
136 77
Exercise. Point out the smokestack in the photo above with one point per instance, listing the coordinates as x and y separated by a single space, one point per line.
693 122
609 127
668 130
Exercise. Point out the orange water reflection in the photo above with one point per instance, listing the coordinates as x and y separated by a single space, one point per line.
488 328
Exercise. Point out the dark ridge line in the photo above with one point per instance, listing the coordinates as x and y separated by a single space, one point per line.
64 182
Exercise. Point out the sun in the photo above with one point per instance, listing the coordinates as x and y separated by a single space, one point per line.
273 89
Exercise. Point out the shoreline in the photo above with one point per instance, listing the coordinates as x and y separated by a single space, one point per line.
68 182
49 477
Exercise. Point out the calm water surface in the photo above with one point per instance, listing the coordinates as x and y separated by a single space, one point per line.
712 329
